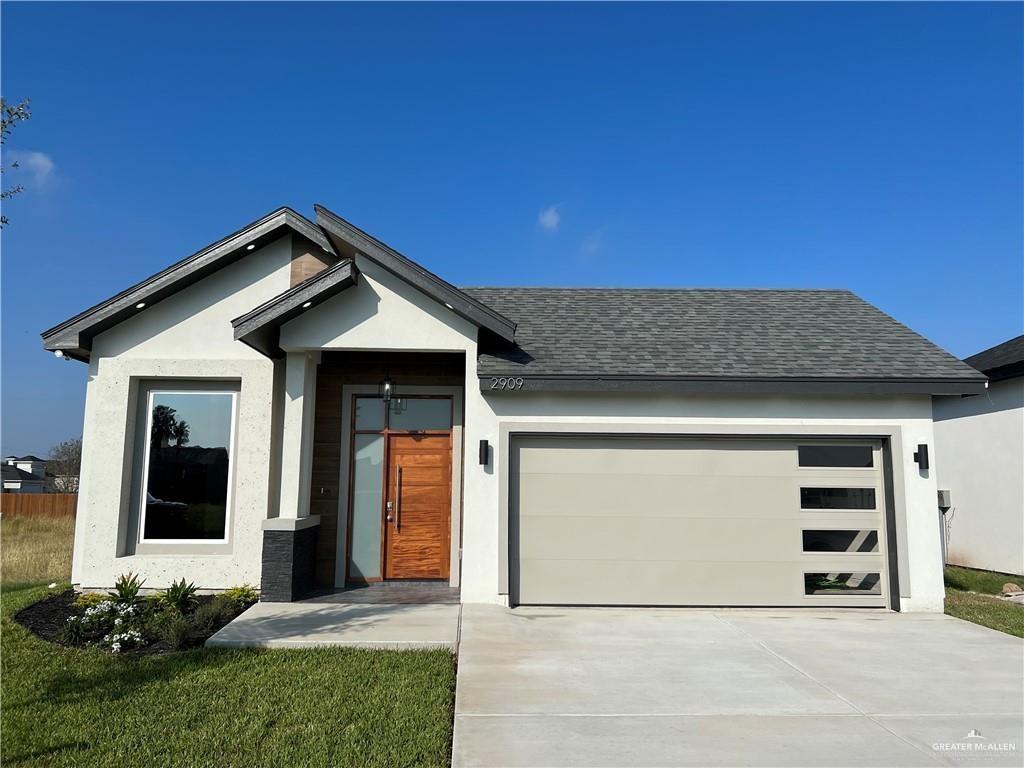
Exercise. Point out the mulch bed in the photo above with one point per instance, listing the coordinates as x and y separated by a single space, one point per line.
48 617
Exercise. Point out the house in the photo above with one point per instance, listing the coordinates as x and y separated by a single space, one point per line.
979 443
300 406
23 474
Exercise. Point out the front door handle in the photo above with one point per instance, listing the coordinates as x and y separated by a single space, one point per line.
398 502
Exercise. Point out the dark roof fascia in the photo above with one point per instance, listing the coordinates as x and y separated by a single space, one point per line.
1003 361
490 384
261 327
1004 372
74 336
433 286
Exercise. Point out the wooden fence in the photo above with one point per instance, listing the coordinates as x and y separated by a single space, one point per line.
38 504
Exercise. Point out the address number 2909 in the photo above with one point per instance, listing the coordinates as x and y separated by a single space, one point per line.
507 383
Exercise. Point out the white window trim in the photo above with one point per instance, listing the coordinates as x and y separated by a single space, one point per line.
145 466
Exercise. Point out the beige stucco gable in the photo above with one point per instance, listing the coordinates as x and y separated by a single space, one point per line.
380 312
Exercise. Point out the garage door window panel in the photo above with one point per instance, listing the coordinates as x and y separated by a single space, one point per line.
838 498
836 583
840 541
836 456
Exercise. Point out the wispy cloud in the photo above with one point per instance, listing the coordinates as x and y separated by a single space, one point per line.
549 219
38 166
592 243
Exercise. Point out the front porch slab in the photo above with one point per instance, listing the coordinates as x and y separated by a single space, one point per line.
309 624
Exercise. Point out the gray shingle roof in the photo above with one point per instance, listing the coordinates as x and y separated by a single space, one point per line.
12 474
1002 361
703 333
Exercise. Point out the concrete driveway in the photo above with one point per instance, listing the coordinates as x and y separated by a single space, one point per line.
654 687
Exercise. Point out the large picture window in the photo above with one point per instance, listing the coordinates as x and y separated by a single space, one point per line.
186 486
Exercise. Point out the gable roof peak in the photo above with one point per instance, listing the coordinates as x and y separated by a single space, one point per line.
73 337
349 240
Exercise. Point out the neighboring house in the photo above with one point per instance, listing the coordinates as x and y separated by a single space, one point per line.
24 474
299 406
19 481
980 459
31 464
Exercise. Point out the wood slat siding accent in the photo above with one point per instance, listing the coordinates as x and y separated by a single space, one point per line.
38 504
336 370
307 260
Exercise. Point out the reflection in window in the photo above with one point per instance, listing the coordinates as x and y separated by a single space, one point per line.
367 500
842 583
186 482
835 455
369 413
416 414
840 541
837 498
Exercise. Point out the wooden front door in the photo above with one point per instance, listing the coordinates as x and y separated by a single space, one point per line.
417 519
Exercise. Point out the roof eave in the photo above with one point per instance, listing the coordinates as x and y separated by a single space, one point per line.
74 336
491 384
260 328
430 284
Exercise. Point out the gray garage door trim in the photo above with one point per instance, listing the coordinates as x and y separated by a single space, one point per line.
573 541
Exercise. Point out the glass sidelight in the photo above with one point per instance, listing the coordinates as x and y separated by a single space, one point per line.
367 498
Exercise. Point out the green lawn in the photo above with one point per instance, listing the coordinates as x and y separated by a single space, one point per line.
325 707
970 595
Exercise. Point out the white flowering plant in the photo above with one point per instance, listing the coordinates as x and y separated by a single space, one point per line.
173 619
109 624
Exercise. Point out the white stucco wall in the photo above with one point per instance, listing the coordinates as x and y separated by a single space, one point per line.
921 584
980 460
188 335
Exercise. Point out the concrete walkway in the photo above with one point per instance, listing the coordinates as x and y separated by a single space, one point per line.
653 687
308 624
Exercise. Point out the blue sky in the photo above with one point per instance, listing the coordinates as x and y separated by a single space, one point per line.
875 147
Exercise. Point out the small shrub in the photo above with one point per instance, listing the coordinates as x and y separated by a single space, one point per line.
73 632
217 612
126 588
90 599
180 596
175 630
242 596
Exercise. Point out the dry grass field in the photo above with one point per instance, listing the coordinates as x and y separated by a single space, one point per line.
35 550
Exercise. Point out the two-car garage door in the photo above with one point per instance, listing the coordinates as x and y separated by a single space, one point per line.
696 521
